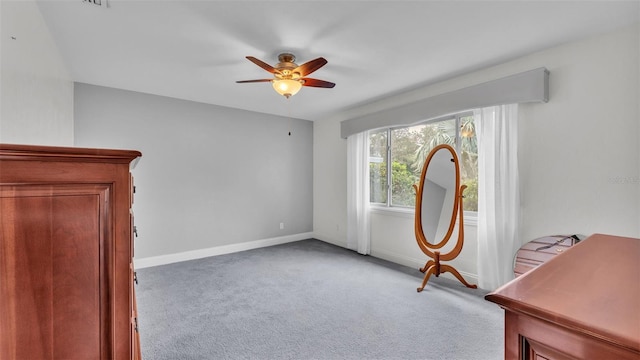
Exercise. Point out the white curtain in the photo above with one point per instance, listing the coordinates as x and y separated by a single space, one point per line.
498 194
358 238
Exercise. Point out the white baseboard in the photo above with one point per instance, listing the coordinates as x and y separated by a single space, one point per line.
417 264
329 240
398 259
217 250
232 248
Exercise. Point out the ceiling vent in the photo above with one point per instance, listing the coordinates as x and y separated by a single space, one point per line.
101 3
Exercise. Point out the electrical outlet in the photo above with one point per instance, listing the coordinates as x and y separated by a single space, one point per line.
281 226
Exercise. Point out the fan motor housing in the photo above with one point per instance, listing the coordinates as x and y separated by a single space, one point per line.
286 62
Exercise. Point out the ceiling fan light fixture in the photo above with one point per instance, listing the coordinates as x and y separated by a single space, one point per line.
286 87
289 77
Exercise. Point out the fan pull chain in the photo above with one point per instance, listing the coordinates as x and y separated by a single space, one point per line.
289 115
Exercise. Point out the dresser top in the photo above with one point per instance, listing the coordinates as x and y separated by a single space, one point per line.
37 152
592 288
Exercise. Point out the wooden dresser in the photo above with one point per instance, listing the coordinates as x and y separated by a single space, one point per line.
66 248
581 304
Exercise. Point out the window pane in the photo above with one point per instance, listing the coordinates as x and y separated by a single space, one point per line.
468 153
378 167
434 134
409 148
405 144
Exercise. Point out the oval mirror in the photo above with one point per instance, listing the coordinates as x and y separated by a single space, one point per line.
439 196
438 205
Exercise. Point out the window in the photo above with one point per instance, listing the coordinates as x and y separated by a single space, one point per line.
397 155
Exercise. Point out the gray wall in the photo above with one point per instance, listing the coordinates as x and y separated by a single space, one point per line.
209 175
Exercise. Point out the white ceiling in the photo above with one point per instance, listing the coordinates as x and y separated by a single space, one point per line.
196 50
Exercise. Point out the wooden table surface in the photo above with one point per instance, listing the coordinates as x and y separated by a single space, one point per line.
593 288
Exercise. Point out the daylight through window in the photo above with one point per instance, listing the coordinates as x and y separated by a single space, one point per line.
396 157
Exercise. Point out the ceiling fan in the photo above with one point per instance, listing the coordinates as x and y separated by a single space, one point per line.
289 78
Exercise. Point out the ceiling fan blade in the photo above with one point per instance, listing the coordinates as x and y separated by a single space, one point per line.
311 66
317 83
262 64
253 81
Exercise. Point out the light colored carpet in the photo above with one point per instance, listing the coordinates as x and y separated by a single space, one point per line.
310 300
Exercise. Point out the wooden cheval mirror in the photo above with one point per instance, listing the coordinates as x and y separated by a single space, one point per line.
438 204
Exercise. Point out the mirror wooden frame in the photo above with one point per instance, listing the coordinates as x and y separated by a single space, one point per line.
433 265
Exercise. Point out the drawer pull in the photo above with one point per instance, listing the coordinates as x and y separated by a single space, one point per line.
135 231
135 277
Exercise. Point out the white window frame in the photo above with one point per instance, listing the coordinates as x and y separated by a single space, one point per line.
470 217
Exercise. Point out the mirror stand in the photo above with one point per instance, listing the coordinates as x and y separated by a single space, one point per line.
434 267
438 206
